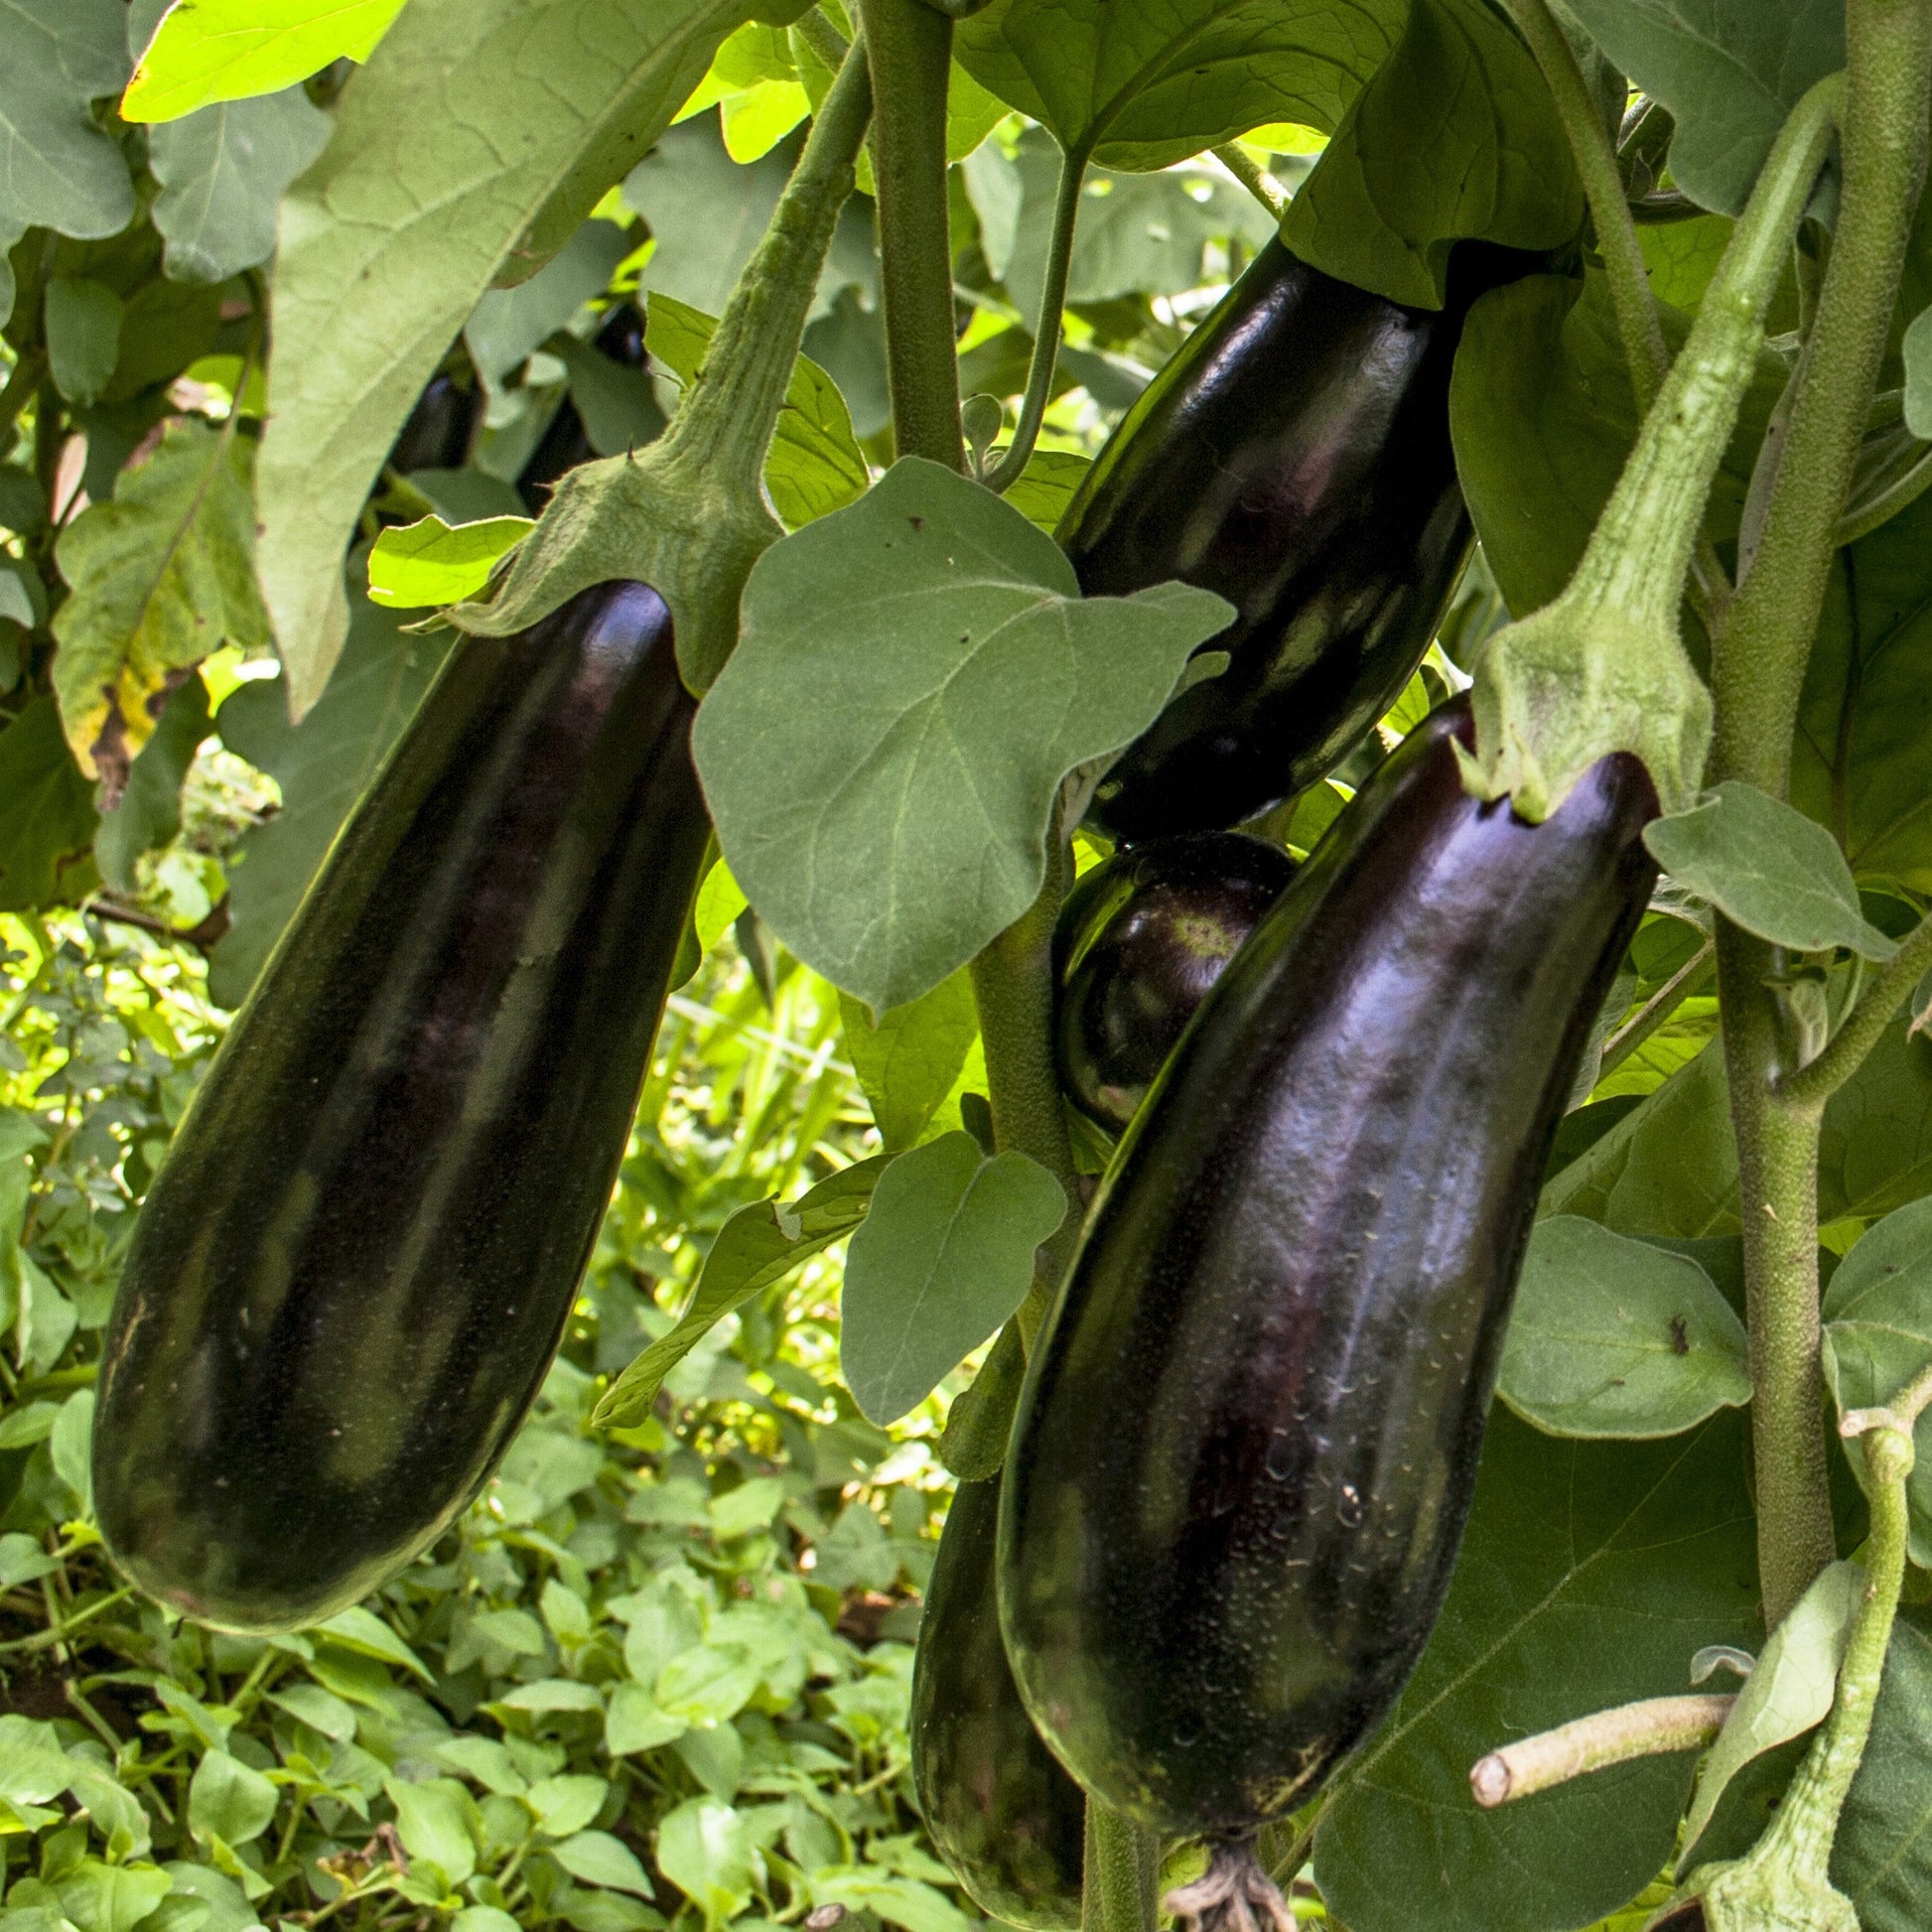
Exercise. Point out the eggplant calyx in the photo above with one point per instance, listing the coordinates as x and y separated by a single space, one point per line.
1235 1895
1569 686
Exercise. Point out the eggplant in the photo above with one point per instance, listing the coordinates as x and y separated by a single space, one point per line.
1140 940
566 442
357 1262
436 432
1294 456
996 1805
1250 1427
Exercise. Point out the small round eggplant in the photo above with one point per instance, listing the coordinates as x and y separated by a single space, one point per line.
1140 940
1250 1428
357 1262
1294 456
1002 1814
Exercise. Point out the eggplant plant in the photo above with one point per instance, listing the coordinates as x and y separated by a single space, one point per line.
1165 765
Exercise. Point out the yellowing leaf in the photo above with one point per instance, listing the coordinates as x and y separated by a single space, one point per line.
160 577
228 50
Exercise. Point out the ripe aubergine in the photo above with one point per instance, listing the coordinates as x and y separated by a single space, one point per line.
1140 940
1250 1428
566 442
357 1262
1294 457
437 434
999 1808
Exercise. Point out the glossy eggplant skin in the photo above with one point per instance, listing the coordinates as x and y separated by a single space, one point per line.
355 1263
565 442
1001 1811
1140 940
1249 1433
437 433
1294 457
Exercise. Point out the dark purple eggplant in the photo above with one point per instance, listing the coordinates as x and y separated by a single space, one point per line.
998 1807
1294 457
1140 940
1250 1428
437 433
566 442
357 1262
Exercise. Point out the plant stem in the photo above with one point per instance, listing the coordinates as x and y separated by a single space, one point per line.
1777 1172
1658 1008
1811 1086
1253 177
1758 659
824 40
1046 328
1617 234
749 363
27 369
1123 1867
911 49
1593 1743
1013 987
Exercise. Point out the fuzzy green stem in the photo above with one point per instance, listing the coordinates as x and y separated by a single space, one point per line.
1811 1086
1651 1728
1758 659
1777 1172
1253 177
1012 986
911 65
1047 326
1639 554
1123 1868
827 43
1617 234
1789 1869
727 418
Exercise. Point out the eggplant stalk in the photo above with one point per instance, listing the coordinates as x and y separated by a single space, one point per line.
1602 668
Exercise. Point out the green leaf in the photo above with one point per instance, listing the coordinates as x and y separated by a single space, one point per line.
1918 351
815 466
1048 486
509 324
84 336
47 813
1882 1856
1770 869
974 1444
228 50
618 404
364 1632
437 1820
708 1684
899 1901
1790 1691
323 767
943 1258
909 1059
1543 417
1455 136
420 256
633 1721
1612 1338
704 1850
1728 75
1876 1151
1878 1336
565 1805
101 1898
223 171
58 169
1589 1574
719 902
1140 85
161 577
433 562
760 1245
321 1711
1865 726
598 1858
69 1443
915 676
229 1800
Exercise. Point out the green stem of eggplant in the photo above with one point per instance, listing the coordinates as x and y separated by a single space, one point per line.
1815 1085
1253 177
1047 324
1122 1871
909 45
1758 661
1617 234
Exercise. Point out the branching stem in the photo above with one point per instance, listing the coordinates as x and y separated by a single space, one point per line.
1811 1086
